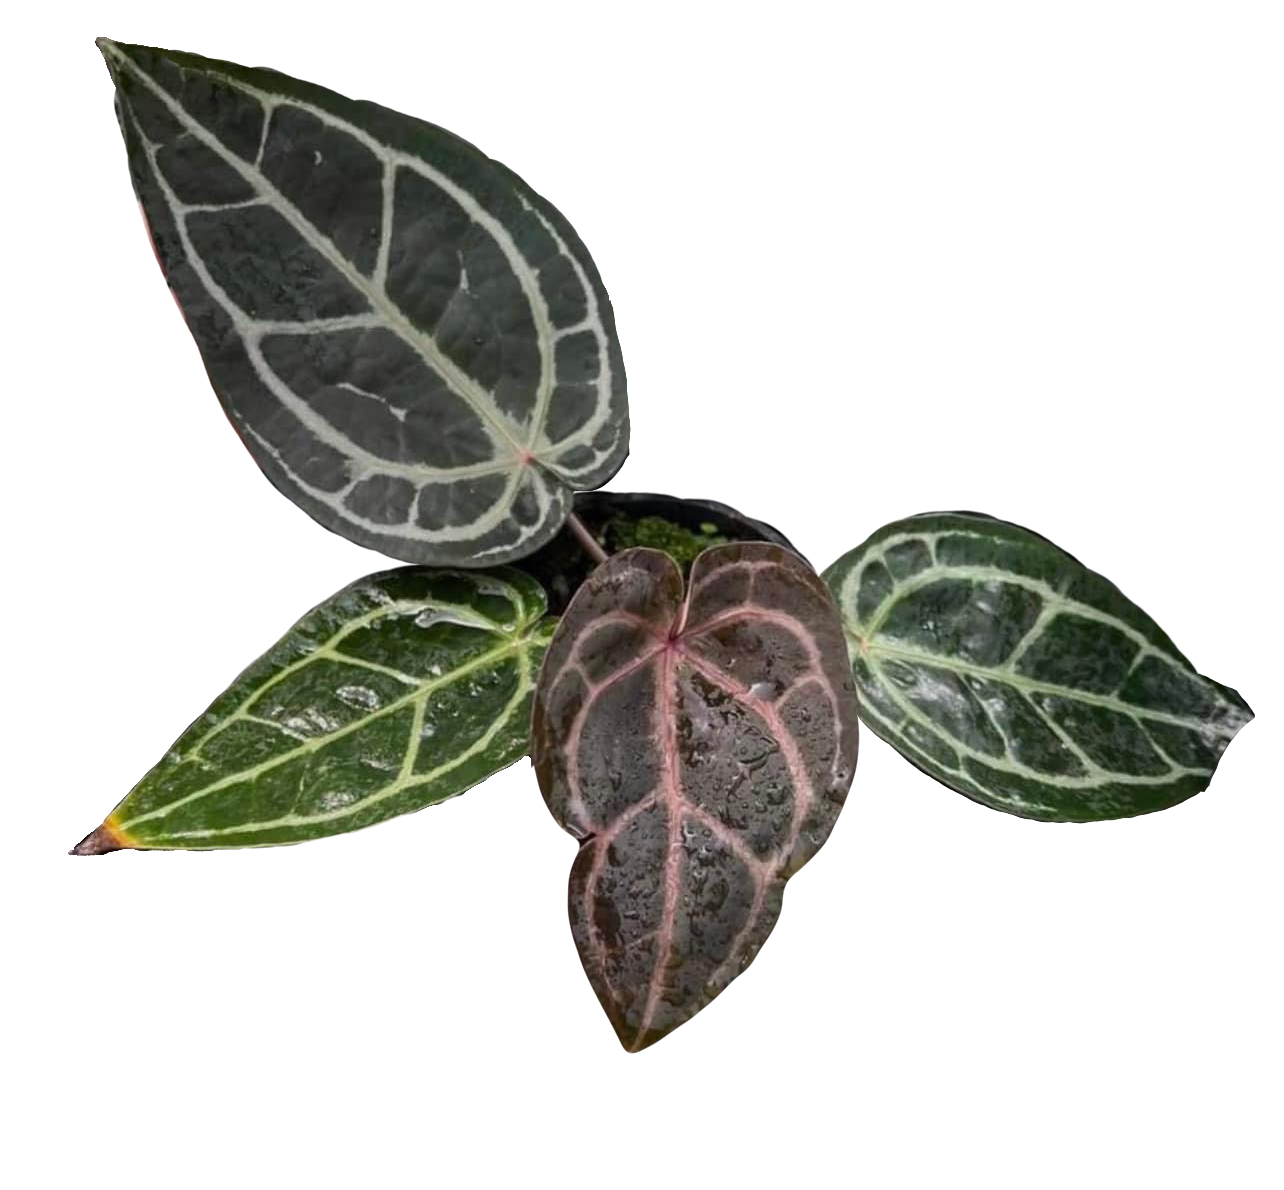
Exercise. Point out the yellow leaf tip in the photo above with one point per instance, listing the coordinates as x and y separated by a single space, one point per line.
99 841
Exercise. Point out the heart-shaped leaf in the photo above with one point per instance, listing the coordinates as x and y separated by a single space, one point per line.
1010 672
699 747
414 346
400 691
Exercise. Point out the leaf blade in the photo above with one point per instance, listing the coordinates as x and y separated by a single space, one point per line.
1008 671
321 251
699 745
400 691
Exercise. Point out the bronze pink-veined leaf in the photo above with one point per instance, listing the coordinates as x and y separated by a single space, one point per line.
699 745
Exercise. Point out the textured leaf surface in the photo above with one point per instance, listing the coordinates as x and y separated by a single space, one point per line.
700 748
402 690
1010 672
414 346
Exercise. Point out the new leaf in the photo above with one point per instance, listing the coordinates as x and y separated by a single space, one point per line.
699 746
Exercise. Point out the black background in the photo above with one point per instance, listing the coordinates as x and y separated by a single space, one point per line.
836 310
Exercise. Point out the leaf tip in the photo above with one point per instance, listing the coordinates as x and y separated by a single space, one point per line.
100 841
110 51
639 1042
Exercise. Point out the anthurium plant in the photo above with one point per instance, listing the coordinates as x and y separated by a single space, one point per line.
417 349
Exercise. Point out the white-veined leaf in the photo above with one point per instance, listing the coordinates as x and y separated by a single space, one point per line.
401 690
414 346
1010 672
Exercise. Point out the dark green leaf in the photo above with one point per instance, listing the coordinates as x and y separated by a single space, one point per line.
400 691
414 346
1010 672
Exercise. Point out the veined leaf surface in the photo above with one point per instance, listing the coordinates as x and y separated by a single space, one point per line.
414 346
1007 670
400 691
699 747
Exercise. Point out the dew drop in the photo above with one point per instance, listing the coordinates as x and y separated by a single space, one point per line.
336 799
319 721
358 696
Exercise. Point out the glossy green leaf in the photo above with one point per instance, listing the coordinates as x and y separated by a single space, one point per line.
402 690
414 346
1010 672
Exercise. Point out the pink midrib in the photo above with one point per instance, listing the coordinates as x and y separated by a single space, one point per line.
671 796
